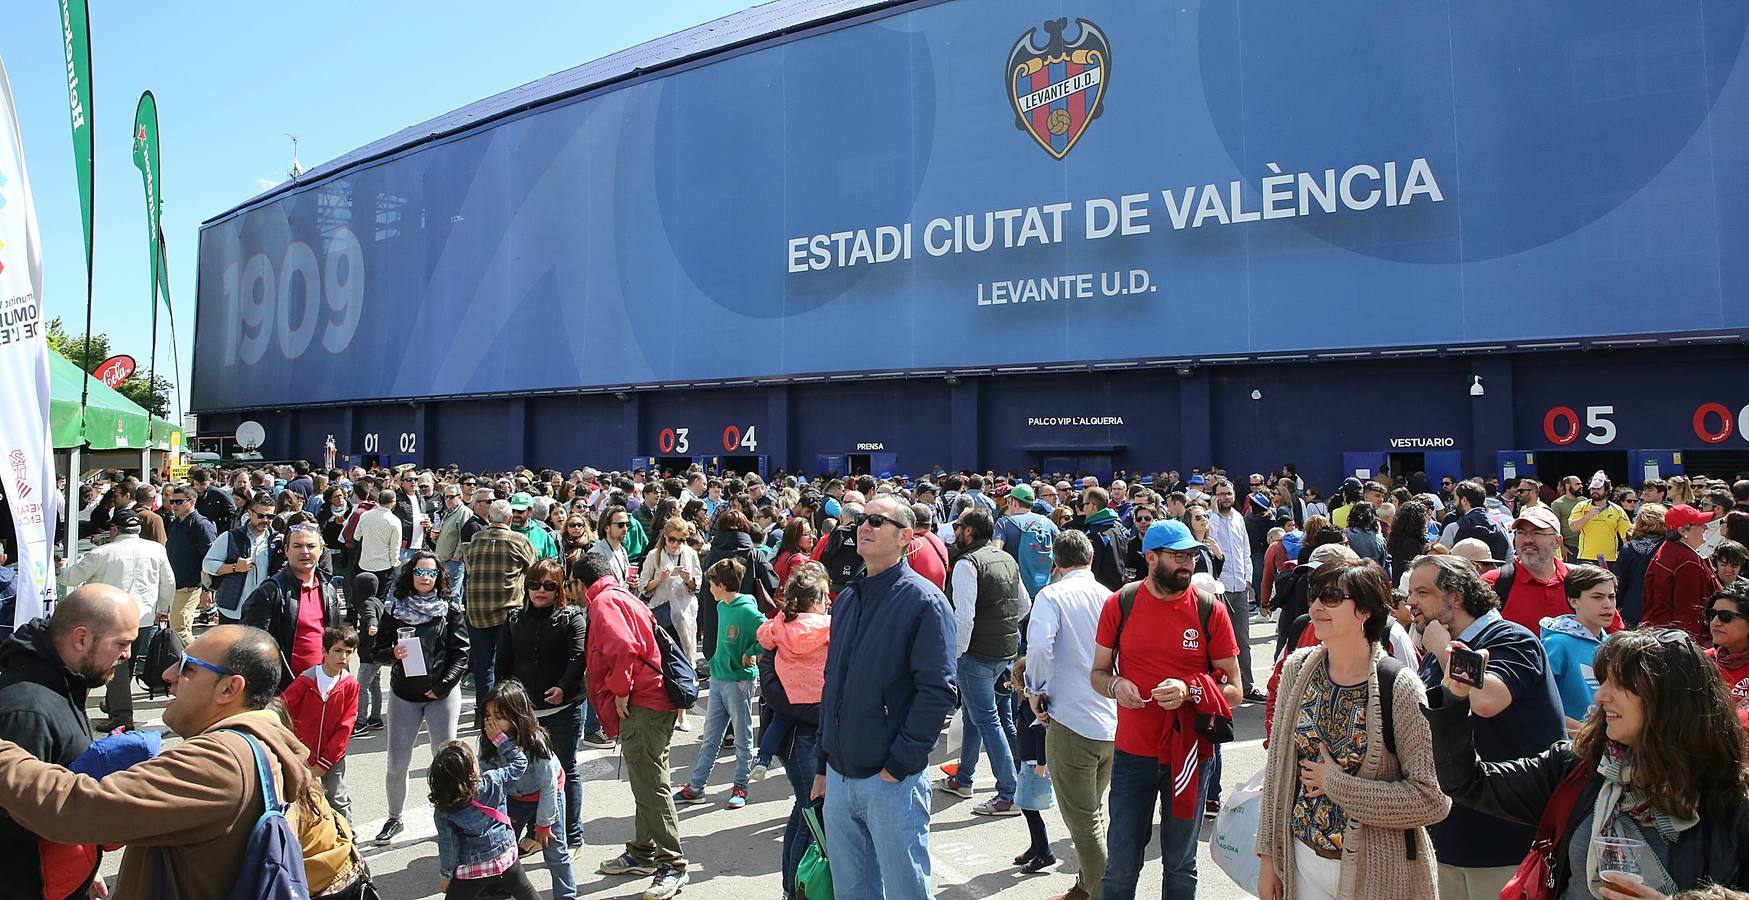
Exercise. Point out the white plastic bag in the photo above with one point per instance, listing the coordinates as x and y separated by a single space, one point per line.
1234 842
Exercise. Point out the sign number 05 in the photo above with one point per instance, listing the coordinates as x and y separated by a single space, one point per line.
1561 425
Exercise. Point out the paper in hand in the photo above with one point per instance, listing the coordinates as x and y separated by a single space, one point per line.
414 662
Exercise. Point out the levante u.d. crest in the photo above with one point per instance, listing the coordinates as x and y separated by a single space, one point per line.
1058 89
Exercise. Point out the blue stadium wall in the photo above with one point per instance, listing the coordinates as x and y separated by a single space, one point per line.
1677 409
1299 245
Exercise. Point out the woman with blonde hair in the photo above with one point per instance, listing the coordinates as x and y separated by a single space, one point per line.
1633 558
669 581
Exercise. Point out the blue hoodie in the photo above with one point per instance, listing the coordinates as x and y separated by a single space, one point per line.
1571 649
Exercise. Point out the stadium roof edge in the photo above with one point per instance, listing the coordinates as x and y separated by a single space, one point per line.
749 26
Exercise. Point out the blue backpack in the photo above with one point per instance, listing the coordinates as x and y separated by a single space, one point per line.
273 860
1034 552
679 679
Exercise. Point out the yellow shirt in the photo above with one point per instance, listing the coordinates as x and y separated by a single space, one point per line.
1602 535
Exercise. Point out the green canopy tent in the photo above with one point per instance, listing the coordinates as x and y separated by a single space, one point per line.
113 422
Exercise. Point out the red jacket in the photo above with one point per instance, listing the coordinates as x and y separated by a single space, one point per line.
1678 583
623 656
928 556
324 726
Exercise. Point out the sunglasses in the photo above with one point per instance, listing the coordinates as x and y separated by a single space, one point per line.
1726 616
178 501
423 572
616 524
548 586
187 660
1332 597
876 520
673 540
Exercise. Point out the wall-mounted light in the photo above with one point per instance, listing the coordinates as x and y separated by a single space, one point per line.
1256 394
1476 389
621 395
952 379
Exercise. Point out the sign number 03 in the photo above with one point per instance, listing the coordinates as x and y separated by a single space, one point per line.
1561 425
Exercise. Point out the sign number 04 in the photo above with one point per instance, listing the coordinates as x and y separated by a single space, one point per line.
1561 425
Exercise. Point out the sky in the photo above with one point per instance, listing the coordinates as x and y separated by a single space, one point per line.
231 80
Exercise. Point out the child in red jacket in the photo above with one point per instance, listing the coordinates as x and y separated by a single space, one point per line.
323 703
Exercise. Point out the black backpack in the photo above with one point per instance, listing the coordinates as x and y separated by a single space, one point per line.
840 558
216 508
679 678
1205 607
163 650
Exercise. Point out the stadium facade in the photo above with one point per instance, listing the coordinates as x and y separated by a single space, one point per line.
1087 235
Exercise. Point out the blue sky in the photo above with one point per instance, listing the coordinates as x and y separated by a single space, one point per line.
231 78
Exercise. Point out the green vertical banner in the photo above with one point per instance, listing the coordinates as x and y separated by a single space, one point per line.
76 41
146 160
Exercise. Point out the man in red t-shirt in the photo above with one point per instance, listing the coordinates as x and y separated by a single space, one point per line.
1153 664
1538 590
296 605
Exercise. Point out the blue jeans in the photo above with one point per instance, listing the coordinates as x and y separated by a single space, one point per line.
1137 783
457 575
798 764
591 721
878 834
482 654
556 854
731 701
775 735
984 728
565 728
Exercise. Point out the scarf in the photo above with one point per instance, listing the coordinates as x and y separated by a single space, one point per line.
417 609
1728 660
1617 799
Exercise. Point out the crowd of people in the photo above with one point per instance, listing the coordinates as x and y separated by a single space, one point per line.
1476 687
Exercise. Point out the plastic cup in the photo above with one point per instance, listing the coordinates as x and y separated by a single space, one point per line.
405 633
632 572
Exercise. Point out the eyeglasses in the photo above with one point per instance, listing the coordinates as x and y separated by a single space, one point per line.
1332 597
423 572
187 660
876 520
178 501
1726 616
620 524
548 586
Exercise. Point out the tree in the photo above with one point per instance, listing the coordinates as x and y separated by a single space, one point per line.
153 395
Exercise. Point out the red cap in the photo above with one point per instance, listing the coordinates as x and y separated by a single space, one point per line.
1683 514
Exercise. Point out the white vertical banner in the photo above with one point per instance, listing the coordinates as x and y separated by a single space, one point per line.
27 464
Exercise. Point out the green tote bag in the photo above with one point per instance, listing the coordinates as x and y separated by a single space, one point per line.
814 872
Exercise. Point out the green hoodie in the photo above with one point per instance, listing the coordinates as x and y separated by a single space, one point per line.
738 624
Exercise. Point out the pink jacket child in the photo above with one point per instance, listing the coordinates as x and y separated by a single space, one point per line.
801 645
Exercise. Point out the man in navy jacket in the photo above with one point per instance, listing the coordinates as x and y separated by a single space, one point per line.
893 629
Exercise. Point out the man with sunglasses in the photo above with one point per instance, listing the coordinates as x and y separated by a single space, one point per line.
242 559
188 537
889 687
188 814
297 604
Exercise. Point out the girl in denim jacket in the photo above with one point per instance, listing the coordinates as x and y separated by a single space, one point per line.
475 846
535 797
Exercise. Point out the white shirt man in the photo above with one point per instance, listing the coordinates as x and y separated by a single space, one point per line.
379 536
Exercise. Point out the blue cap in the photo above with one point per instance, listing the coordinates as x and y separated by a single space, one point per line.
1196 479
1169 534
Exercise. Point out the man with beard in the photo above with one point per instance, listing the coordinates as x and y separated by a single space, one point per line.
1572 494
1517 710
46 668
1532 586
1168 650
1602 526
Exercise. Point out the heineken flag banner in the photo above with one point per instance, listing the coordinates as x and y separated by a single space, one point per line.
146 160
76 41
27 466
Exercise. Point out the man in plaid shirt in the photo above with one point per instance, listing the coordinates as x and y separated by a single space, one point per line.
496 560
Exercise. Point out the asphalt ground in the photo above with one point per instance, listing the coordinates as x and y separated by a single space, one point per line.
737 853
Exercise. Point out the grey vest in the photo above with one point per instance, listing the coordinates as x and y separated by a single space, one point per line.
996 616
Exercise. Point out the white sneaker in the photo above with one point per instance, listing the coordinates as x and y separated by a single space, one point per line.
758 773
681 724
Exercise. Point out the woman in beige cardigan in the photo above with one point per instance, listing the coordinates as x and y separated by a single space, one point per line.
1342 817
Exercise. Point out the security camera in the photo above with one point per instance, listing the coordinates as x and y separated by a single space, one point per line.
1476 389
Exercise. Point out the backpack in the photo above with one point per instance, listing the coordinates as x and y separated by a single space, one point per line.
679 678
759 581
216 508
840 558
1205 607
273 860
163 650
1034 553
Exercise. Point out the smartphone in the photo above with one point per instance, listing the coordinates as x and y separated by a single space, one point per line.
1467 666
